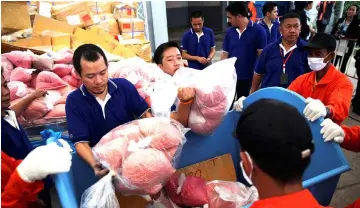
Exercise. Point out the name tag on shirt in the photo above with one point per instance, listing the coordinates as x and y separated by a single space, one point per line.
284 79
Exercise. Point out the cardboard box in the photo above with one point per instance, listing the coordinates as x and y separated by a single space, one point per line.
141 49
42 24
218 168
14 16
109 25
99 7
133 35
131 201
60 42
40 43
123 10
124 52
131 25
77 14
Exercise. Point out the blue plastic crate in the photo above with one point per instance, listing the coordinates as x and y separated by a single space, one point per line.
320 177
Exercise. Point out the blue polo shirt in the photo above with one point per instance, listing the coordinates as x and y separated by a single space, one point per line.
270 64
273 33
84 114
244 46
14 142
198 45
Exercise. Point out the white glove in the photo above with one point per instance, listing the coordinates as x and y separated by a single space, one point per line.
239 104
332 131
44 161
314 109
65 145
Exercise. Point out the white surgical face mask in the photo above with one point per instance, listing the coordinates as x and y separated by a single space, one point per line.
316 64
246 177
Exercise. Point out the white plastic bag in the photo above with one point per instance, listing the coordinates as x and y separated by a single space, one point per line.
93 196
215 89
162 97
230 194
142 154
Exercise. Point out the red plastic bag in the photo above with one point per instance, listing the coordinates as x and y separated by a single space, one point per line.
187 191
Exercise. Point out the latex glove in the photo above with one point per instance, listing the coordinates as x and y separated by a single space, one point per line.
44 161
314 109
239 104
332 132
65 145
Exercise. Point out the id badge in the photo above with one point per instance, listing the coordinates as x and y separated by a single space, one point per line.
284 79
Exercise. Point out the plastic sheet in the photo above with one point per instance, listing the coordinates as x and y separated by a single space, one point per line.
142 154
230 194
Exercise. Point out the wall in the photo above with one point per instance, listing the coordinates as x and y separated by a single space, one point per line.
178 13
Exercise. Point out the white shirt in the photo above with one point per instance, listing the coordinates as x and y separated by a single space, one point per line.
103 102
199 36
284 50
10 117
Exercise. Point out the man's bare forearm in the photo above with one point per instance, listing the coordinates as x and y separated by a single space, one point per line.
84 151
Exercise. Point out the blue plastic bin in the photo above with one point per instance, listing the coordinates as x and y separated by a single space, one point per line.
321 177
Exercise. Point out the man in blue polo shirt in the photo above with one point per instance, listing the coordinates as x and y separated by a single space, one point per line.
244 40
100 104
282 61
198 43
269 22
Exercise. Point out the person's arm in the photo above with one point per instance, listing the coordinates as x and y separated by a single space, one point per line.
185 48
340 101
187 56
256 83
261 40
21 106
16 189
352 138
186 97
212 53
226 47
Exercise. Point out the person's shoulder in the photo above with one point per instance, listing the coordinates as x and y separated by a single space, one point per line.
304 77
187 33
207 30
342 79
121 84
258 28
230 30
75 96
269 47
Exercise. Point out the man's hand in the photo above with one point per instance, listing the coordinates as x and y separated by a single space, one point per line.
38 93
203 60
239 104
99 170
186 94
314 109
332 132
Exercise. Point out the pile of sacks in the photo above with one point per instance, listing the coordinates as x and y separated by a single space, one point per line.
26 72
141 156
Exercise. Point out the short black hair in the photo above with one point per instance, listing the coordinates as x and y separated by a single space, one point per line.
277 137
238 8
268 7
159 52
196 14
89 52
289 15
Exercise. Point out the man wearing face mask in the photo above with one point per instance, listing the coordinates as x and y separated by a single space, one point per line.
327 90
274 154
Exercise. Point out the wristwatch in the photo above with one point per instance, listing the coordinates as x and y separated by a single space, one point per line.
328 113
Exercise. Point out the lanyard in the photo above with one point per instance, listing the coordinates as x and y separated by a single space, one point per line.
285 61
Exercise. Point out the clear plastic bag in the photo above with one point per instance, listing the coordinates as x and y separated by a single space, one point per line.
215 89
162 97
230 194
163 202
142 154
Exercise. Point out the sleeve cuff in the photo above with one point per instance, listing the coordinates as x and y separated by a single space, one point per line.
258 73
144 112
80 139
225 51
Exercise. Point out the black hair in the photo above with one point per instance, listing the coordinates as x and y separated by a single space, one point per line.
238 8
159 52
276 148
289 15
197 14
357 8
89 52
268 7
